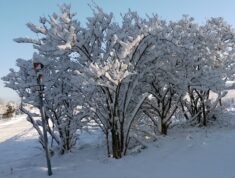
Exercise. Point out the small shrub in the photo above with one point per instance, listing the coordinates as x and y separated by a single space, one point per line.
9 112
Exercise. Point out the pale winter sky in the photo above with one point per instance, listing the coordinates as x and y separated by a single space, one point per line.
15 14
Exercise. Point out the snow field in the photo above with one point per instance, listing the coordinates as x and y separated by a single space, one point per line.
185 153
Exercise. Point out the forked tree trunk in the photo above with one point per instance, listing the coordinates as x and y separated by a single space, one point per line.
162 127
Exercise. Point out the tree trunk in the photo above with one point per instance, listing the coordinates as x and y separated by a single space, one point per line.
107 143
116 144
204 121
164 129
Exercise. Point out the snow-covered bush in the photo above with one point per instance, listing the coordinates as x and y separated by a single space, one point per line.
10 111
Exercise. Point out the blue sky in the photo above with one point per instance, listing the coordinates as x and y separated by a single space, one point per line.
14 14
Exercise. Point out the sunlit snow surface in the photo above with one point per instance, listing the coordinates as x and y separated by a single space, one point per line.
184 153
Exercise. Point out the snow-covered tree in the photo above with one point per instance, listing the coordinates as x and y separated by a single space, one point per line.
209 55
62 110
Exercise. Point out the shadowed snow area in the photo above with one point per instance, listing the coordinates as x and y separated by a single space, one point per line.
185 153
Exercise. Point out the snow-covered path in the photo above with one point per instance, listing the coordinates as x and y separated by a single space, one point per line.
13 127
17 144
185 153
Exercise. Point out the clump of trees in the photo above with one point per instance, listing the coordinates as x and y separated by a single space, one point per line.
124 75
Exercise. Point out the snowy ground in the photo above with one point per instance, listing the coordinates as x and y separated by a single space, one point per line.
185 153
